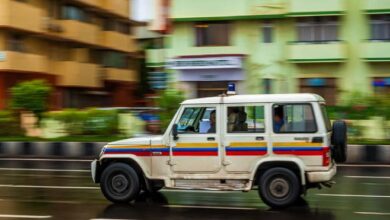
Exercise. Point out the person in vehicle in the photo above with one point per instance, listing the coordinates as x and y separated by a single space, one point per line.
212 122
278 119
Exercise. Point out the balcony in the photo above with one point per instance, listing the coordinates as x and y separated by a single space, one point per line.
118 41
377 6
77 74
300 8
116 74
117 7
93 3
79 31
25 62
317 52
190 10
13 14
376 51
155 57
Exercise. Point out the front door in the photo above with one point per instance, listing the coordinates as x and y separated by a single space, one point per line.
197 149
245 137
295 132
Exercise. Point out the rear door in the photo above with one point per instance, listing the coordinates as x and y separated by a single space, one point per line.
245 138
296 132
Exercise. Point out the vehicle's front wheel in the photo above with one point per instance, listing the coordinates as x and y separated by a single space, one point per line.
279 187
120 183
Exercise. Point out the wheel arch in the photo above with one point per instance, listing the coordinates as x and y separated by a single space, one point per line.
105 162
293 164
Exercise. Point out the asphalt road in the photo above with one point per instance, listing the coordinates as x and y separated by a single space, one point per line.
36 189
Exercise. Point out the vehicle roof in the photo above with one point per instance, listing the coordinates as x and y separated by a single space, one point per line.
266 98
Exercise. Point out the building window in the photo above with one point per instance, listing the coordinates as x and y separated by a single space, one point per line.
16 43
74 13
267 31
381 86
212 33
317 29
115 60
380 27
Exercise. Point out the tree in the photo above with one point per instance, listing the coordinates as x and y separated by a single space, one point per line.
169 101
31 96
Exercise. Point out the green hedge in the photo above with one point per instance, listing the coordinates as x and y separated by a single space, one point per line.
9 124
87 122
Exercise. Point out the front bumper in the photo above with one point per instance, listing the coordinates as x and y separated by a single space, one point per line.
94 170
321 176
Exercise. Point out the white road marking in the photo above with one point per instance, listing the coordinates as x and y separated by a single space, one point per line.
44 170
209 207
363 165
44 159
44 175
25 216
48 187
352 195
368 177
111 219
372 213
41 201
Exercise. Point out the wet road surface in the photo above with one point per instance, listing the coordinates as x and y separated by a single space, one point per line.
52 189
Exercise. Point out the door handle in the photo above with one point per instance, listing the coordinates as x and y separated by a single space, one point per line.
157 153
259 138
211 138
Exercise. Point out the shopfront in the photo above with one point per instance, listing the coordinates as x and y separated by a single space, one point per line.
205 76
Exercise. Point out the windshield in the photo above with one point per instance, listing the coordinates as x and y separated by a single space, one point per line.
325 117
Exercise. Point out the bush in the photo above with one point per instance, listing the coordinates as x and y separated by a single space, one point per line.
87 122
9 124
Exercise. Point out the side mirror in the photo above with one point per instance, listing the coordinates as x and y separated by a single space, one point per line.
174 132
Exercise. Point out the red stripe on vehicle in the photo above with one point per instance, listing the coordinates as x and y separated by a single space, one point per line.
300 153
246 153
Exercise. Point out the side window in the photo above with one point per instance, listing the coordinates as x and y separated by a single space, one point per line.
294 118
245 119
197 120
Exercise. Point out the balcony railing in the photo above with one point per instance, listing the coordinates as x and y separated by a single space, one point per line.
118 41
79 31
304 52
75 74
376 51
20 15
311 8
25 62
116 74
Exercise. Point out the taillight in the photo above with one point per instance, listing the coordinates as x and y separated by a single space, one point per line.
325 156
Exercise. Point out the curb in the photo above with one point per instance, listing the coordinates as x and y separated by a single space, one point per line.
376 154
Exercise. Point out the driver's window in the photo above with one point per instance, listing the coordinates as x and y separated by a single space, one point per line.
197 120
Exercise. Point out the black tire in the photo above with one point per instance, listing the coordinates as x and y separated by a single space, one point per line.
279 187
120 183
339 141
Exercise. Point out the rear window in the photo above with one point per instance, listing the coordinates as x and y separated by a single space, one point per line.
325 117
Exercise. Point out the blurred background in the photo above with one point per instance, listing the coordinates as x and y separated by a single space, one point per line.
101 70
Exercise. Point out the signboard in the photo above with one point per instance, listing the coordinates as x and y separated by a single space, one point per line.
205 63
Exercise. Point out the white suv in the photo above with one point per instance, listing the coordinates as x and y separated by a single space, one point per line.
281 144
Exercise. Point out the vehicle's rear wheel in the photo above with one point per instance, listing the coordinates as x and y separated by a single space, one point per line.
339 141
120 183
279 187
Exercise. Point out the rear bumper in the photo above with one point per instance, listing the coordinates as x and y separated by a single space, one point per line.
321 176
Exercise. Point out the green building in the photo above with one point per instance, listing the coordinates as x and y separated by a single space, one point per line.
333 48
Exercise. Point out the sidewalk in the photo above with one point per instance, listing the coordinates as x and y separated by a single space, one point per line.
379 154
